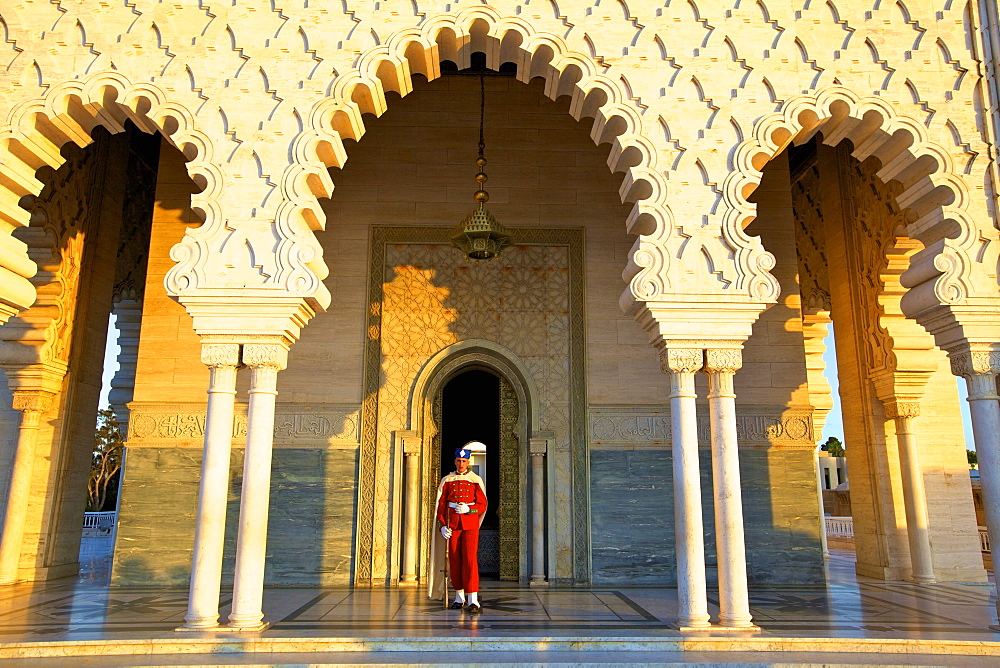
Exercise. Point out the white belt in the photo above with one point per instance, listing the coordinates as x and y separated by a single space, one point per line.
455 505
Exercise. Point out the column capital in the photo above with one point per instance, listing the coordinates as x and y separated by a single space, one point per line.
538 446
723 360
410 442
681 360
968 362
37 401
900 408
220 354
269 355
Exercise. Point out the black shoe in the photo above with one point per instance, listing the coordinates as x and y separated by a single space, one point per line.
474 609
457 605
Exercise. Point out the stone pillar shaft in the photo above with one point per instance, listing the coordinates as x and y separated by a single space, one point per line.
32 405
984 410
734 598
980 368
411 521
210 527
914 496
538 448
264 361
681 365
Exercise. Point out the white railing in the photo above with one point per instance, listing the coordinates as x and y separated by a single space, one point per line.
839 527
843 527
99 524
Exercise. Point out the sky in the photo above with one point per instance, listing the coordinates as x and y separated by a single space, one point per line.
111 351
834 423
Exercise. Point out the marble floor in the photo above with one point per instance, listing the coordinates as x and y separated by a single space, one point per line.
848 607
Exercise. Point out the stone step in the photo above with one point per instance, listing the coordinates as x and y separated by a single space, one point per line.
665 650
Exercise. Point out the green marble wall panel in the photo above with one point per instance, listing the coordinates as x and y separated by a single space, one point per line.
633 519
781 516
632 522
311 516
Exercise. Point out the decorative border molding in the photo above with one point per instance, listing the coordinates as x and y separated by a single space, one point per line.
333 426
648 428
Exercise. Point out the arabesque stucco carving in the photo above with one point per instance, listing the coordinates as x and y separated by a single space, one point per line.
692 97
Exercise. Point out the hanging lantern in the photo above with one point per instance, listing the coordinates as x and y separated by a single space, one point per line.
480 236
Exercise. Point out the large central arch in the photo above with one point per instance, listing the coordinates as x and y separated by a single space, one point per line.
595 94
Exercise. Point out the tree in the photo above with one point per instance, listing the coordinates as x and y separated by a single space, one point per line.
973 459
833 446
106 460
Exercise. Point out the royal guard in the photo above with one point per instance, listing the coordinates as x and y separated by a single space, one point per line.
461 507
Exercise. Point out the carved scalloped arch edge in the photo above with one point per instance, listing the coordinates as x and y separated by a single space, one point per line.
933 191
454 36
35 130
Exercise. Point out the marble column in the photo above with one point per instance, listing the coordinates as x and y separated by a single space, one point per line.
264 361
681 365
734 599
210 527
411 503
537 448
914 496
980 368
32 404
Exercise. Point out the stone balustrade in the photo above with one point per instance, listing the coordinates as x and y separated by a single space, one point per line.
843 527
99 524
840 527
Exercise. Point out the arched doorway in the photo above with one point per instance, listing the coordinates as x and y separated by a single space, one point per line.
502 383
480 404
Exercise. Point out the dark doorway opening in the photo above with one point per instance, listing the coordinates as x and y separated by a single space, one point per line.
471 412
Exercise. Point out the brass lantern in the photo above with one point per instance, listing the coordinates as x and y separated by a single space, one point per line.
480 236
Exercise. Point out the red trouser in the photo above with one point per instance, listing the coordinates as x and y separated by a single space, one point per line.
463 547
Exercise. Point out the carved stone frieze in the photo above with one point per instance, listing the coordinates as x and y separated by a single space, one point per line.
511 483
810 240
305 426
614 427
137 212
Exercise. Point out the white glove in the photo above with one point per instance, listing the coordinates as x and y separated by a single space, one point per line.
463 509
446 532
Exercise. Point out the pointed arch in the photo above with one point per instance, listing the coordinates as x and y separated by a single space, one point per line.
933 191
617 121
34 132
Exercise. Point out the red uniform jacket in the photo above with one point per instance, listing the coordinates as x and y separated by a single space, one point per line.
455 488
